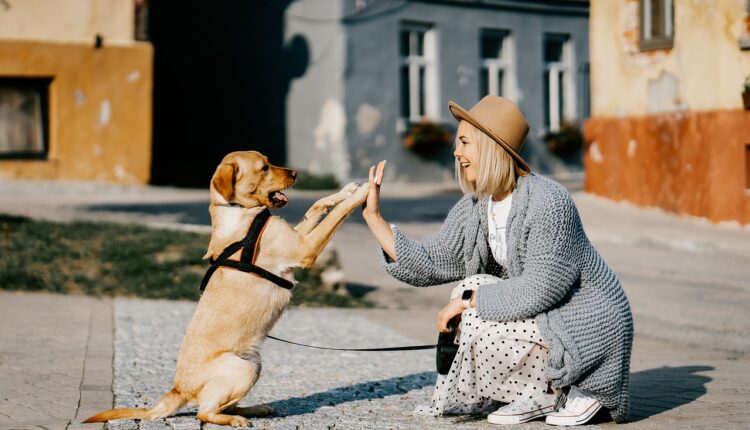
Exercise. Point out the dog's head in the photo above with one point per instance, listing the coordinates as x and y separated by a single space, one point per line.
247 178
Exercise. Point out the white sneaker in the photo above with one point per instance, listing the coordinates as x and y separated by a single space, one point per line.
519 412
579 409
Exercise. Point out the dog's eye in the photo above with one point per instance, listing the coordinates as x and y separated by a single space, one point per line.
265 167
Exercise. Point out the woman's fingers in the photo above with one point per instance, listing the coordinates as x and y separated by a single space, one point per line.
379 174
372 173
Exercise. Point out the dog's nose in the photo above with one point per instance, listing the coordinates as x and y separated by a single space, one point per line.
294 174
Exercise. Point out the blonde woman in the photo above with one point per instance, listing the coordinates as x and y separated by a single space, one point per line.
545 326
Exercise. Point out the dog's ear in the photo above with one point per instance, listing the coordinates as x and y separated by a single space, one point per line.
223 180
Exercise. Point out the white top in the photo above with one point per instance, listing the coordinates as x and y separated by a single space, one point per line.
497 218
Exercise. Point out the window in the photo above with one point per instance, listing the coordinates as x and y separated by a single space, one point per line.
418 72
23 117
558 81
497 76
657 24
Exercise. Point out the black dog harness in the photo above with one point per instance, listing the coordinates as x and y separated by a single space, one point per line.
249 247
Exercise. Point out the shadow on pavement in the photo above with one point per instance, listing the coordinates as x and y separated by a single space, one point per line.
420 209
362 391
654 391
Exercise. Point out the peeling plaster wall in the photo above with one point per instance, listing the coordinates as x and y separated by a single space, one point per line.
316 116
99 105
68 20
692 163
704 70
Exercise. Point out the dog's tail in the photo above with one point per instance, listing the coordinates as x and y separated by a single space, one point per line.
169 404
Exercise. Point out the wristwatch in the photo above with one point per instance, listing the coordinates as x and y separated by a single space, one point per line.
466 298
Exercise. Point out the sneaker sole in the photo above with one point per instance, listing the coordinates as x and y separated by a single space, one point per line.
519 419
575 420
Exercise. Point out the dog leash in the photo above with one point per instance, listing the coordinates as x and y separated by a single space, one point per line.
394 348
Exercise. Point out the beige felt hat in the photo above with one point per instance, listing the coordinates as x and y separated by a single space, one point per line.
500 119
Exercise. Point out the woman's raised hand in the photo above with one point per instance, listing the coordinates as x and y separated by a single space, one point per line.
371 208
371 213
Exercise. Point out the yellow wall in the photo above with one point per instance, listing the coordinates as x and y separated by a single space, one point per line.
704 70
100 109
67 20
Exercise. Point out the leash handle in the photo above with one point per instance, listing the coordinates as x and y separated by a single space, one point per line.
394 348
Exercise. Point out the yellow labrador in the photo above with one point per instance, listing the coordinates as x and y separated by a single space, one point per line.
219 361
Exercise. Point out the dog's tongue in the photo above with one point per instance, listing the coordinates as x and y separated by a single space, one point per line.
280 196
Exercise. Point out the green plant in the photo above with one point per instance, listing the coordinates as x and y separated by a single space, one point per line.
747 84
427 138
565 142
312 181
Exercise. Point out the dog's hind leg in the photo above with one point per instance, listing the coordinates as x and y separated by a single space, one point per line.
229 380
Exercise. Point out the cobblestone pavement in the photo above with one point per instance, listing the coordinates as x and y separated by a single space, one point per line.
310 389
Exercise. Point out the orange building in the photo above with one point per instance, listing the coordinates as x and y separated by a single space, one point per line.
668 128
75 92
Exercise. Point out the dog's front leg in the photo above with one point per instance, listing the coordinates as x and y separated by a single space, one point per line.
314 242
320 208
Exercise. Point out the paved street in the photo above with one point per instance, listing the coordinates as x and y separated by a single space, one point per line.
687 281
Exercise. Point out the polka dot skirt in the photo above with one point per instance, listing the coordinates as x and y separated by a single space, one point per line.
496 361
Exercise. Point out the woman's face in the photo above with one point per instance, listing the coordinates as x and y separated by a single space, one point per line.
467 152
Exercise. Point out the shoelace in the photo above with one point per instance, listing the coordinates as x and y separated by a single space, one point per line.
575 400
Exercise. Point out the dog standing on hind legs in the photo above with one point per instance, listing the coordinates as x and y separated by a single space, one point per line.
219 362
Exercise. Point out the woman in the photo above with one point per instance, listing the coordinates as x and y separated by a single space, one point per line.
545 324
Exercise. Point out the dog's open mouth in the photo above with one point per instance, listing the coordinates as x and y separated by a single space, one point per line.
278 198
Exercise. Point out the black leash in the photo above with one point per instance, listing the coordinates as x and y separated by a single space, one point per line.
393 348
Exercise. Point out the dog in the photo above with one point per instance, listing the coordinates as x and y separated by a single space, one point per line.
219 361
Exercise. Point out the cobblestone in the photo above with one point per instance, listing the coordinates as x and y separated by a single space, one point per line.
310 389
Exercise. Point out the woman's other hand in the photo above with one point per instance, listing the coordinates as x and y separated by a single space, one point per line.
371 208
451 310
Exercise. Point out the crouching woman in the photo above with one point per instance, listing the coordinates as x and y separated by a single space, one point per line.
545 327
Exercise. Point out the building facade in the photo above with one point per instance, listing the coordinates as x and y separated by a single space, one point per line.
75 92
377 68
668 128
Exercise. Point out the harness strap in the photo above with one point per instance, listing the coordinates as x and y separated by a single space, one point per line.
249 246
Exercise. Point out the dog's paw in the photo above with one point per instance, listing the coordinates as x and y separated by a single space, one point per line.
238 421
361 194
350 188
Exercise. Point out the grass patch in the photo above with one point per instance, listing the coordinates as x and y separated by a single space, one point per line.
104 259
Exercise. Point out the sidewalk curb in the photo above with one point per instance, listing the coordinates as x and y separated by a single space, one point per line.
96 385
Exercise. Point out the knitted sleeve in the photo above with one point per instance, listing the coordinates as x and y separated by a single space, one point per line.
437 259
551 264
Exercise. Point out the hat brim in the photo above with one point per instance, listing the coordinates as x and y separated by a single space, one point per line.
462 115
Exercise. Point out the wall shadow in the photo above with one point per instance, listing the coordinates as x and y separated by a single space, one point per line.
419 209
654 391
352 393
222 72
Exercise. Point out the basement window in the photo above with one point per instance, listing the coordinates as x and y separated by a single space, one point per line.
24 118
657 24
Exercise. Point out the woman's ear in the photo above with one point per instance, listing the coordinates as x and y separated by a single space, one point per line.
223 180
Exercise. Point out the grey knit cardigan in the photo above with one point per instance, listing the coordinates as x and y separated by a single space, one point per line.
553 273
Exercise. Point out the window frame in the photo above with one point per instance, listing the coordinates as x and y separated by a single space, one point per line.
43 87
490 66
566 73
425 63
651 43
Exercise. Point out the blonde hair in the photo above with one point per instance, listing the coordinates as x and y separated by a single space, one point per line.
497 172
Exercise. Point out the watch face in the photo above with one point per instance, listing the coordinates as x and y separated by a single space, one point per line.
467 294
